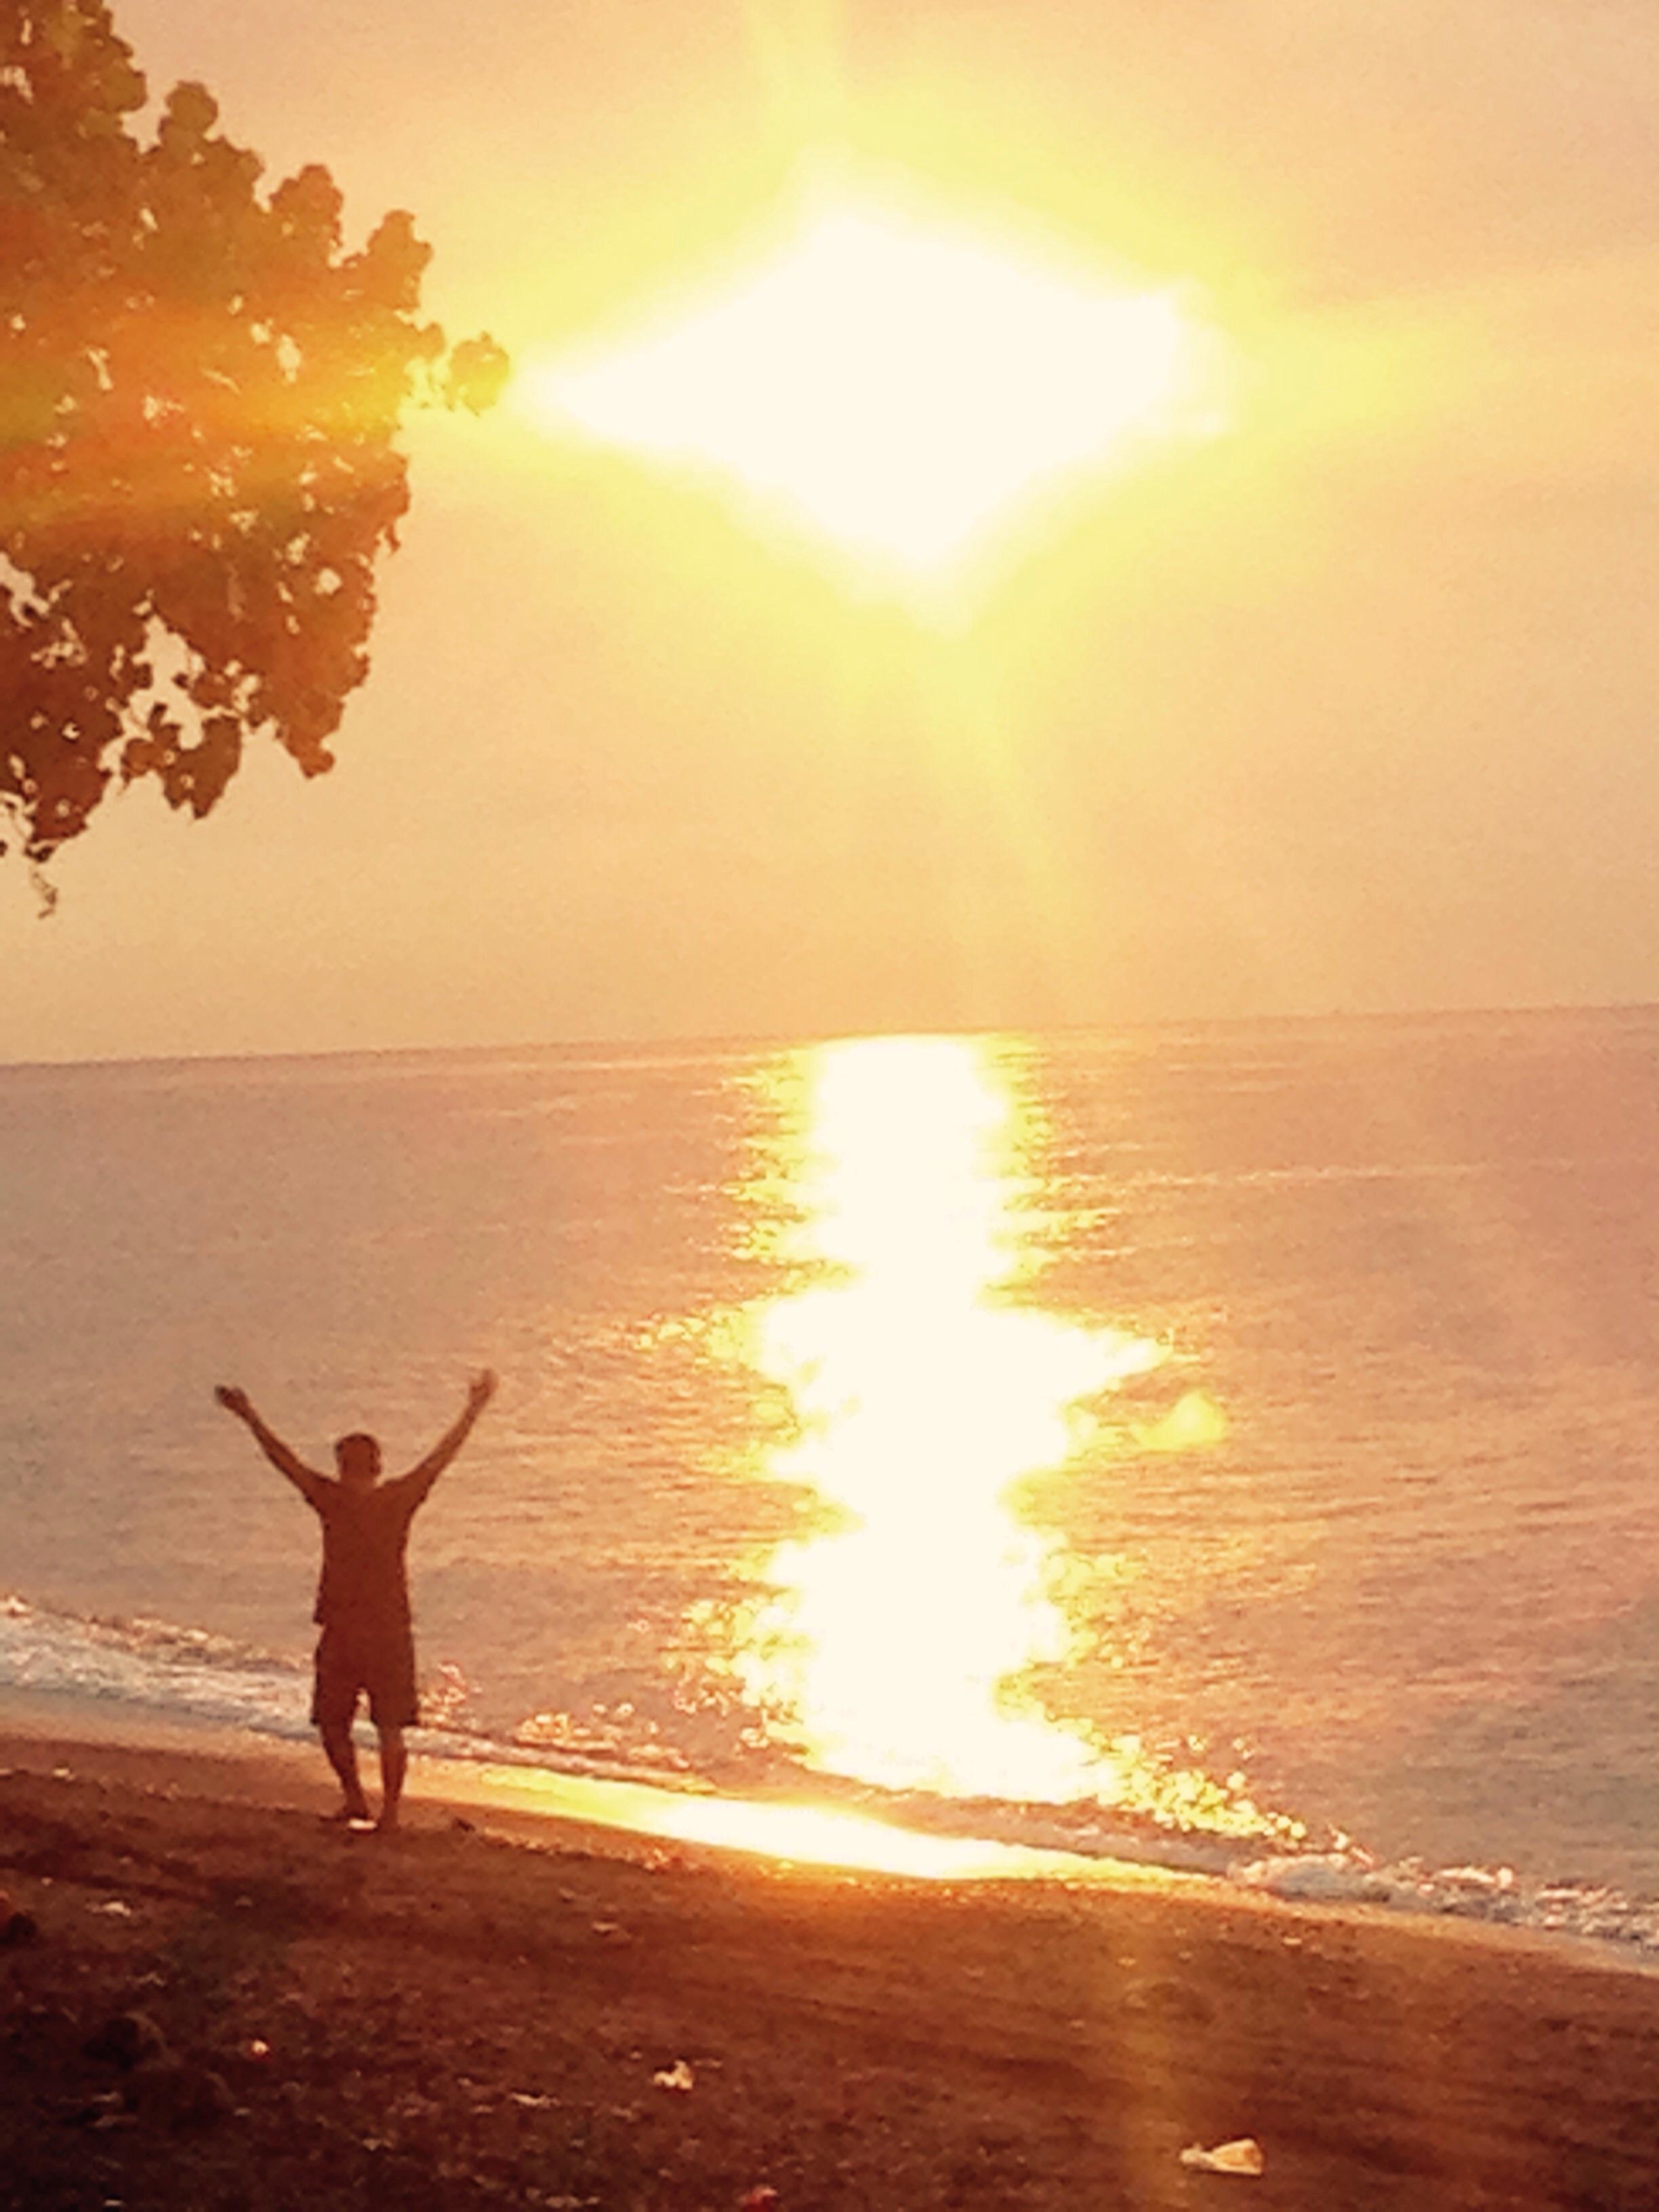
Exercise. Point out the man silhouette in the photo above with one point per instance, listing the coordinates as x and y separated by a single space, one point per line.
368 1642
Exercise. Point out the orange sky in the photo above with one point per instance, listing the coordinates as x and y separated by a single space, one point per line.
1353 707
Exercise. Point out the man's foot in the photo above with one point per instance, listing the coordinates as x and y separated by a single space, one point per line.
348 1816
387 1825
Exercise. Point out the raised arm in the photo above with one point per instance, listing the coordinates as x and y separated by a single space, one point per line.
420 1479
305 1479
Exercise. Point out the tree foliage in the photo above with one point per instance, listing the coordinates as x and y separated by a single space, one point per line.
199 395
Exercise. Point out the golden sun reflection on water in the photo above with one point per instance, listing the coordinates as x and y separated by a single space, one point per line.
894 1644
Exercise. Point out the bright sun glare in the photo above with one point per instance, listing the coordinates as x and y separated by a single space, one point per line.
896 1641
900 387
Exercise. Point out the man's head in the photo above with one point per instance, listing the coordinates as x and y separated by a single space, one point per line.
358 1458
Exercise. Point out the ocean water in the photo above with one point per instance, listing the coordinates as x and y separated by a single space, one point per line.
1234 1445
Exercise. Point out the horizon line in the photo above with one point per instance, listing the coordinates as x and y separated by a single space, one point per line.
719 1044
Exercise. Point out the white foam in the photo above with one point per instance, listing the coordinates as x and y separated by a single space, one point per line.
152 1663
1496 1896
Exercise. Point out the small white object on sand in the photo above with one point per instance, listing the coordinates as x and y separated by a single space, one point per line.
1243 2156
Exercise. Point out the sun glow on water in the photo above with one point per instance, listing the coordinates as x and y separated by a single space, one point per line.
894 1644
899 386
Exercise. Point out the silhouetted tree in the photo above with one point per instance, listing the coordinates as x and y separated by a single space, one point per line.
199 391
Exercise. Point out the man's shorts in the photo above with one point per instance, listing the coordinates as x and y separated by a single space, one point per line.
349 1663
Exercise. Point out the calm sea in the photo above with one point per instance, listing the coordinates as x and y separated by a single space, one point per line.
1231 1442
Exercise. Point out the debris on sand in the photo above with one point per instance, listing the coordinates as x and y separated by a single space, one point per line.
127 2039
1242 2155
176 2094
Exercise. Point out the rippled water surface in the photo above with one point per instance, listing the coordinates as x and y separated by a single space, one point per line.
1244 1434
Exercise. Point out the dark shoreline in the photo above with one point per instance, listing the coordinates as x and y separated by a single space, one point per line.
476 2013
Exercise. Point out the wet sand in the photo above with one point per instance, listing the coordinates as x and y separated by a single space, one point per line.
497 2009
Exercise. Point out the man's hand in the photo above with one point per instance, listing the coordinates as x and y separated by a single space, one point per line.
286 1462
419 1479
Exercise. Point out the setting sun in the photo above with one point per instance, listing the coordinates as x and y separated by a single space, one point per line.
898 386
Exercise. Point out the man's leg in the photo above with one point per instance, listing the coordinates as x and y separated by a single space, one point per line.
394 1760
333 1707
343 1758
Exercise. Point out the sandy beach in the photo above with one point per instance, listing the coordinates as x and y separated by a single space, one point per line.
213 2000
